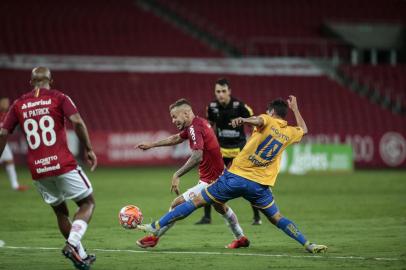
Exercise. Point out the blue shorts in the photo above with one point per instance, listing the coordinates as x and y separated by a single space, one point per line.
230 186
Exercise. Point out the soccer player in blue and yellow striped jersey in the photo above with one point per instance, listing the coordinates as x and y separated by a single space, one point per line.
254 171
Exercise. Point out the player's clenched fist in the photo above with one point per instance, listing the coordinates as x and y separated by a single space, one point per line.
237 122
144 146
292 102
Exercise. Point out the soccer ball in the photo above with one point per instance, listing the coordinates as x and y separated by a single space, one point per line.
130 216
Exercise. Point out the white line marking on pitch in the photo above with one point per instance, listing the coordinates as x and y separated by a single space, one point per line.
220 253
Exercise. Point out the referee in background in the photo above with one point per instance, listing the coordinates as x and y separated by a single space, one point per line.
220 112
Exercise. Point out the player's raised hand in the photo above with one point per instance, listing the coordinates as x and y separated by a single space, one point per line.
175 185
144 146
92 159
237 122
292 102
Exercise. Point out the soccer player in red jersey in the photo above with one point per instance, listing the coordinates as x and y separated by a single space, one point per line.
206 153
41 114
7 157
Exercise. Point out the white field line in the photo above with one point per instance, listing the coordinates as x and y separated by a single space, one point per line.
220 253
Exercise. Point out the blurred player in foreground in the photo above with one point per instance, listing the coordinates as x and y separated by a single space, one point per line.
231 139
41 115
7 157
206 154
253 171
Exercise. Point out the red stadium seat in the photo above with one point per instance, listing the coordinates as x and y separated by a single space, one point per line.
390 81
91 28
139 101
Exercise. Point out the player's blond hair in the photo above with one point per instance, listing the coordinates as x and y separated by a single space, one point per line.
180 102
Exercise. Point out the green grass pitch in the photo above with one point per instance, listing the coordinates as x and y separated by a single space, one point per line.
360 216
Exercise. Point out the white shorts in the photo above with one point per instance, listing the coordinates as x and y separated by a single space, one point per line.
72 185
7 154
194 191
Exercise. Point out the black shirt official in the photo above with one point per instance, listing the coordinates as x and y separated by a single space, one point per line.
220 112
221 116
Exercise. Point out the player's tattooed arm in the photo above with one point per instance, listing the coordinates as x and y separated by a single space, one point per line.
255 121
83 135
299 119
193 161
171 140
3 139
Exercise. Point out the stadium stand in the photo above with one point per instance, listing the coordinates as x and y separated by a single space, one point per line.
144 98
389 81
116 101
279 27
58 27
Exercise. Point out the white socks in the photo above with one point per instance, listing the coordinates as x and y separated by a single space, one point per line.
81 250
232 222
12 175
76 232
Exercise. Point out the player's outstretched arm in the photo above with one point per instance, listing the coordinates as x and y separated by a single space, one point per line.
171 140
83 135
194 160
292 102
3 139
255 121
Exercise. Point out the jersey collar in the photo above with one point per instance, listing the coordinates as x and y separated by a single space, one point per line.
230 103
281 122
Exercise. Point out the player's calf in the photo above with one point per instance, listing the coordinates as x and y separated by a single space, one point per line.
231 219
82 217
86 209
292 231
180 212
62 215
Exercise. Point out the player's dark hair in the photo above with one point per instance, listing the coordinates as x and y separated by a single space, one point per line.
279 106
223 82
179 102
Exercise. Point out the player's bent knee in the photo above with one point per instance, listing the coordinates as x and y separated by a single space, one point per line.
177 201
199 201
87 202
275 218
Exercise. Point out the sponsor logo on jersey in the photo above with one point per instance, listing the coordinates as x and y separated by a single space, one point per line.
236 104
279 135
192 134
257 162
46 161
228 133
49 168
36 103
